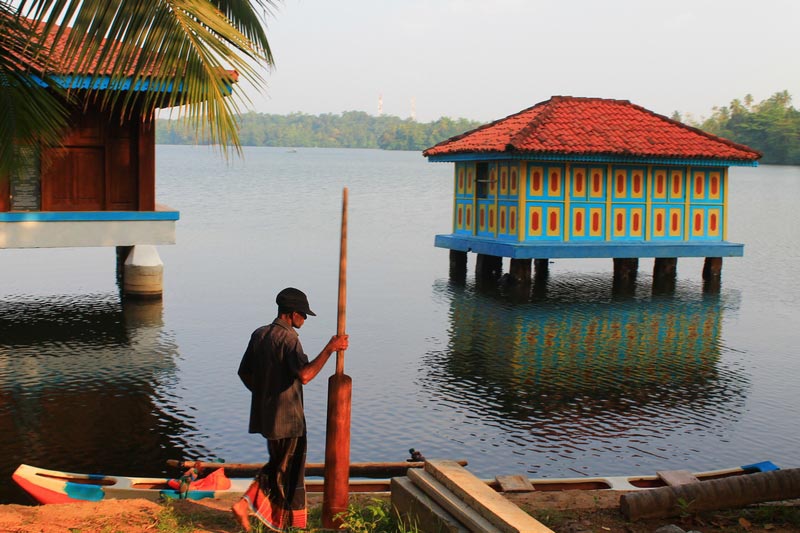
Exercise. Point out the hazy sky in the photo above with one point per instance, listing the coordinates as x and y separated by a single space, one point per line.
486 59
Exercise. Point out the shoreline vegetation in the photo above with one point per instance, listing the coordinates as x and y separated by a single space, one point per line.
771 126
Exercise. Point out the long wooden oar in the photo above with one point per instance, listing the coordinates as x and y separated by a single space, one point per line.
340 387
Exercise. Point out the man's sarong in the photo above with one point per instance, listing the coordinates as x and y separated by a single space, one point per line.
278 495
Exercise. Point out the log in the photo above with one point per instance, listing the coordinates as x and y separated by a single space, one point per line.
725 493
382 470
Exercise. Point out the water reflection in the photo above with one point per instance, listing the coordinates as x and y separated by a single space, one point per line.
84 383
577 362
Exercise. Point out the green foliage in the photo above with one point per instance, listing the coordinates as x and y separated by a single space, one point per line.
771 127
351 129
373 517
164 44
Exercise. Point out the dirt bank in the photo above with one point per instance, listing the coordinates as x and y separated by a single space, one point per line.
213 516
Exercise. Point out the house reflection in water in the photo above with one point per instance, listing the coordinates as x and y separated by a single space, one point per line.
84 385
580 359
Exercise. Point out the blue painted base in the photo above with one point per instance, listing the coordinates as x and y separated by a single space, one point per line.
86 216
577 250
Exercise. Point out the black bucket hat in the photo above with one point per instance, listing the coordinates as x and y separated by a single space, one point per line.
293 299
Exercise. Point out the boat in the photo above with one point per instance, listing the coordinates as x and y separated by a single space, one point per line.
53 486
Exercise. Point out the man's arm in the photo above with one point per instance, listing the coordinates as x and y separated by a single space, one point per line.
310 371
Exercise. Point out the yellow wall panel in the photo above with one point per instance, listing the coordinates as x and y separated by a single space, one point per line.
596 183
620 187
554 182
536 181
535 222
675 223
579 221
660 184
553 221
618 222
714 222
637 222
637 184
676 185
513 186
595 222
714 185
698 186
579 182
659 222
698 222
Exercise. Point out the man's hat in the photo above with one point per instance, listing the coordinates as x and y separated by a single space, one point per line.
294 300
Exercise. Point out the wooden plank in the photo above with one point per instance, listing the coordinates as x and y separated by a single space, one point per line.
514 483
450 502
676 478
492 506
418 512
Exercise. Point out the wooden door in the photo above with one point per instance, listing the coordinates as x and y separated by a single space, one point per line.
73 179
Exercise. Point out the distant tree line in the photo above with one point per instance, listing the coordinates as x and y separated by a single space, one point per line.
771 126
351 129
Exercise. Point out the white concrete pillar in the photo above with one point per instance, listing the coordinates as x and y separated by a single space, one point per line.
143 273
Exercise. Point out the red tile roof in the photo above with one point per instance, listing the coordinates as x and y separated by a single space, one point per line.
567 125
50 59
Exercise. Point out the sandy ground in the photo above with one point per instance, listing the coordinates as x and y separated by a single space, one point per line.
567 513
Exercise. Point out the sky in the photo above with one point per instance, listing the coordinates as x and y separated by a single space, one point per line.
486 59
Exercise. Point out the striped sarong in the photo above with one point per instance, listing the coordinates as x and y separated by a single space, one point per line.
278 495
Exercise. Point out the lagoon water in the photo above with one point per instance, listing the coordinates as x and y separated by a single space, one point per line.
571 377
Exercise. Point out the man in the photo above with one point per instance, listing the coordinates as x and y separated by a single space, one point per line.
274 368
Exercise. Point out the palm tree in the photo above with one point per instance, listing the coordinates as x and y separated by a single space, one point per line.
185 45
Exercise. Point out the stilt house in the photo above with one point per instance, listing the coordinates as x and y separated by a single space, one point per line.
589 177
98 187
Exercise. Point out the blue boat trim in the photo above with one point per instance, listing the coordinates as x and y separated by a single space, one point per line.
87 216
190 495
763 466
83 491
574 158
577 250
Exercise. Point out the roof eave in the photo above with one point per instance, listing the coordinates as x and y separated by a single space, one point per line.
588 158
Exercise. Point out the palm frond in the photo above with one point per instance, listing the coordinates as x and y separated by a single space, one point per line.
171 52
29 113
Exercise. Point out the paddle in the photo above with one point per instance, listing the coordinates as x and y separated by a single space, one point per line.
337 439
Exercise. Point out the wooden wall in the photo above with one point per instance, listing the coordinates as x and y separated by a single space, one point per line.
104 164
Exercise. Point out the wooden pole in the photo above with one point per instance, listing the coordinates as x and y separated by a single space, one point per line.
336 494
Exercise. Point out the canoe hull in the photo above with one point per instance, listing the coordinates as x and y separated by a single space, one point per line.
52 486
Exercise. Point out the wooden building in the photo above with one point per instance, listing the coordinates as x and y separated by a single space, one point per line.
589 177
97 188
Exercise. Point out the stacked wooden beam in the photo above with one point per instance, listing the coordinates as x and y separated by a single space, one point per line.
445 497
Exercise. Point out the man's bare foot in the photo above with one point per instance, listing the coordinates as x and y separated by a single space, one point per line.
241 510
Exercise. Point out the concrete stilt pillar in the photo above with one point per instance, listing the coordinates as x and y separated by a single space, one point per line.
488 266
519 270
625 268
122 255
541 266
143 273
665 267
712 268
664 275
458 266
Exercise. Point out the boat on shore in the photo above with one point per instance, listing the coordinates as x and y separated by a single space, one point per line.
53 486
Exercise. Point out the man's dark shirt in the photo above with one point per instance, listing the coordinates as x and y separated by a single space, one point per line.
270 370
